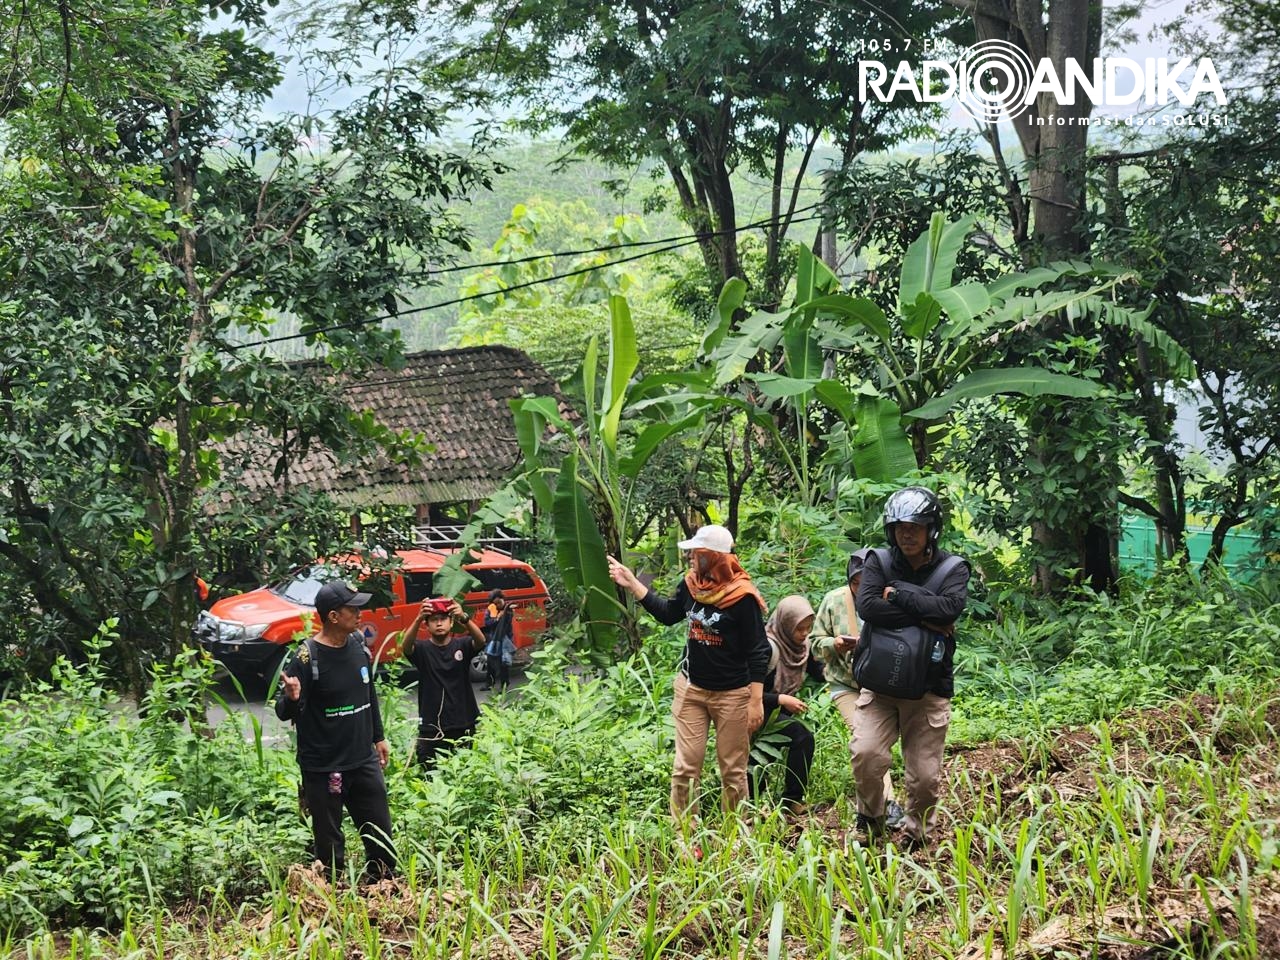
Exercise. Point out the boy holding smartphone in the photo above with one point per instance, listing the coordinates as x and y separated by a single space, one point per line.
447 710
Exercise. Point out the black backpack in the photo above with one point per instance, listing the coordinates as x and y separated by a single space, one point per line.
895 660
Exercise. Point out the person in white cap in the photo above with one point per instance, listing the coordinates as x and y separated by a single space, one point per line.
721 678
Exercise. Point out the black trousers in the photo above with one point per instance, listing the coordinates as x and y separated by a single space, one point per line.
363 791
499 672
434 743
800 747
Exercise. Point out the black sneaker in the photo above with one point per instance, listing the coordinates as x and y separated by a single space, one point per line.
873 828
894 815
909 844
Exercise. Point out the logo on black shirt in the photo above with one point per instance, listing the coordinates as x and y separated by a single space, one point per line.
704 628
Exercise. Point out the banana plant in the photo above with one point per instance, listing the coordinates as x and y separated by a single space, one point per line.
932 351
588 488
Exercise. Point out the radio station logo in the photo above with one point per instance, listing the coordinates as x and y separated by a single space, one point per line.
996 79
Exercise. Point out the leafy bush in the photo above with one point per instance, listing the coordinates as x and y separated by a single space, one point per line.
104 812
101 812
572 754
1087 659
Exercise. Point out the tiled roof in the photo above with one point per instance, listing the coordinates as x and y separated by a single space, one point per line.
457 399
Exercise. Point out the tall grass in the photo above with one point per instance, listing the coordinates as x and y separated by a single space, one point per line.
549 837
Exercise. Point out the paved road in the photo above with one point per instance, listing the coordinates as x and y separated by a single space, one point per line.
251 701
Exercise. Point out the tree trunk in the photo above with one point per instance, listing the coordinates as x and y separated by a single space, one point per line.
1055 155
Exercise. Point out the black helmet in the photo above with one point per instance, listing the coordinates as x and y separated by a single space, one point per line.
913 505
857 560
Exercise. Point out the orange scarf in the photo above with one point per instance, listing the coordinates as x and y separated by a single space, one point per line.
723 584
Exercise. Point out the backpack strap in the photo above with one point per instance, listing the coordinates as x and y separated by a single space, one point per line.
311 656
941 572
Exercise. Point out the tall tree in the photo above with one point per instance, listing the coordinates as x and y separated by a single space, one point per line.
700 90
153 219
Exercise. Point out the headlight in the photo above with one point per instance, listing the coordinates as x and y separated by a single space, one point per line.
255 630
206 626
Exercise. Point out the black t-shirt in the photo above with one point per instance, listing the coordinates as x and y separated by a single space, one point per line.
445 698
726 648
337 714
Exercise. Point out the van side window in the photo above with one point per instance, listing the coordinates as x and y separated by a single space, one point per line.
417 587
502 578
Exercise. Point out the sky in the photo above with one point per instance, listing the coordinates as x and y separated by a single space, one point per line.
1146 41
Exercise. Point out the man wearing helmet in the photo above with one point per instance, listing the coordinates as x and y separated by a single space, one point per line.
893 594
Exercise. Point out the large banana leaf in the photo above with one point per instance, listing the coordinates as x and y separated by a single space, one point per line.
813 279
920 316
1029 381
881 449
1010 283
930 260
732 295
649 440
531 416
760 331
580 555
451 580
857 310
623 360
964 301
836 396
589 388
778 387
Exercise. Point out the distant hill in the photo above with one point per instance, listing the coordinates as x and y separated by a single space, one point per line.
539 169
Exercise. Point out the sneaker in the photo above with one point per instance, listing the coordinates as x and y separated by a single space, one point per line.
794 809
908 843
894 815
873 828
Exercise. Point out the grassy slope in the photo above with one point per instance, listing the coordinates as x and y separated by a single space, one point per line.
1154 836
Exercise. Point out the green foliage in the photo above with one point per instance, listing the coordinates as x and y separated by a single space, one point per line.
1090 658
554 321
571 757
940 343
574 772
105 814
696 89
150 224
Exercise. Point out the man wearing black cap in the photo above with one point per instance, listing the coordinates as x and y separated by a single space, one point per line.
327 691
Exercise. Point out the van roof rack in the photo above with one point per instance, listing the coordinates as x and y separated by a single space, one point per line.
450 535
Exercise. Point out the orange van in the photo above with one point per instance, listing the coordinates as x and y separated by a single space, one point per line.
250 633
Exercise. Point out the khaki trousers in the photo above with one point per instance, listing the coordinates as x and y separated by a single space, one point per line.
847 703
922 724
695 710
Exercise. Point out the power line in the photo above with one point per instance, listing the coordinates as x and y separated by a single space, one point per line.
353 324
457 268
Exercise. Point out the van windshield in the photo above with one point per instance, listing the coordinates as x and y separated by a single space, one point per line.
303 586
